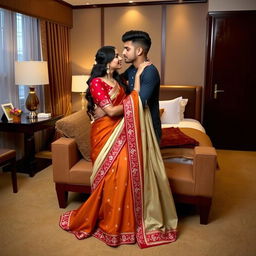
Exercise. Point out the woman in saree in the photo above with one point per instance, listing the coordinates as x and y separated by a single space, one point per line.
130 199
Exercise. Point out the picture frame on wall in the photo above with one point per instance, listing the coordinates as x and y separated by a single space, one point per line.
6 108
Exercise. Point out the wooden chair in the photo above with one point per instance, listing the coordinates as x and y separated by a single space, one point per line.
9 156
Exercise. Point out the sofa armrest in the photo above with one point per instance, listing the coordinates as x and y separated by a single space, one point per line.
65 154
204 167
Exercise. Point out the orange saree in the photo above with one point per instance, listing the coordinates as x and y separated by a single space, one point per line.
130 200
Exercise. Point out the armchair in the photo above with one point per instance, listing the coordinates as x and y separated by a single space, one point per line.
189 183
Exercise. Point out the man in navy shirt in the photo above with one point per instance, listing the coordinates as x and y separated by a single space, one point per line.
136 47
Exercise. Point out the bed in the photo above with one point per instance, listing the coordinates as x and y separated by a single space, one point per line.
190 168
185 116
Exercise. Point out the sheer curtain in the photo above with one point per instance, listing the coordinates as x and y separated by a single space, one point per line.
19 40
8 53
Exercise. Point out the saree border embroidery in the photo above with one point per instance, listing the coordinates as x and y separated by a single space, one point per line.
135 169
109 160
115 240
104 103
65 223
144 238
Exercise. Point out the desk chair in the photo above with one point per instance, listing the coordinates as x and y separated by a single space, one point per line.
9 156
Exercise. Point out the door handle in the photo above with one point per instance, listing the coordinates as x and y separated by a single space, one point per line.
216 91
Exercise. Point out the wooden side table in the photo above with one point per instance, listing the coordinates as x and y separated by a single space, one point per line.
29 164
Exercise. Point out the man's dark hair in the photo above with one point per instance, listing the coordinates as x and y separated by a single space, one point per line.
139 37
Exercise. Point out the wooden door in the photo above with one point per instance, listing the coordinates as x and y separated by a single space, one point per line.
230 90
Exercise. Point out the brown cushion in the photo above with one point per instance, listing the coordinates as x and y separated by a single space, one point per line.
78 127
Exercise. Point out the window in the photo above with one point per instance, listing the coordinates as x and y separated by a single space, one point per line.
20 57
19 40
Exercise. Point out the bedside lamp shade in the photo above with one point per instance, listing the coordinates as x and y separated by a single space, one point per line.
79 84
31 73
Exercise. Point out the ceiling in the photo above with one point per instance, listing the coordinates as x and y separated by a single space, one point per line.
103 2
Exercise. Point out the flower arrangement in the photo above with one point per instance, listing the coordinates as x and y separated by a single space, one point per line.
16 112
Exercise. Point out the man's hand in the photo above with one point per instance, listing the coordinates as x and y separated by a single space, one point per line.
98 113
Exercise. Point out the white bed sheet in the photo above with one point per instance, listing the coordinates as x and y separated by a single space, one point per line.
186 123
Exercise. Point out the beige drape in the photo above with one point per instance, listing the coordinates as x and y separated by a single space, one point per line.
56 50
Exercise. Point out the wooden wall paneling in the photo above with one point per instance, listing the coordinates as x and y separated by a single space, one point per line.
163 44
102 26
51 10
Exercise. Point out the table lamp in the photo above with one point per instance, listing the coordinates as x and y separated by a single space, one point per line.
79 85
31 73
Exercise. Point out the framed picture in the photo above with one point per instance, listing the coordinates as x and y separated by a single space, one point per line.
6 108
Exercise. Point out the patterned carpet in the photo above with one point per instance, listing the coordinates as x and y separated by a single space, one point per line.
29 219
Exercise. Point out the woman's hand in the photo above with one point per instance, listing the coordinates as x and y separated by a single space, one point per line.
98 113
138 73
142 67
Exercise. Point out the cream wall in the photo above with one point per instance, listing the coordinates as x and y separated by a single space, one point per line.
231 5
185 41
85 40
185 44
146 18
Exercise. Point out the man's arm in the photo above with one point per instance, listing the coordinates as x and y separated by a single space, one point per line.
149 80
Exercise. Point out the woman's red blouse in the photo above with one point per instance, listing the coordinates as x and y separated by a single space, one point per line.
100 92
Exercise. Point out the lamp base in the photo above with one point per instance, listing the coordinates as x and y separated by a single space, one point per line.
83 100
32 115
32 103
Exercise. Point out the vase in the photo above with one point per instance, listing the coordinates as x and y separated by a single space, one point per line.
16 119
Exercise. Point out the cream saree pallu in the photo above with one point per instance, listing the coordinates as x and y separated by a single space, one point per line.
131 200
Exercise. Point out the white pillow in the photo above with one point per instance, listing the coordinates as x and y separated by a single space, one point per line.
171 113
183 104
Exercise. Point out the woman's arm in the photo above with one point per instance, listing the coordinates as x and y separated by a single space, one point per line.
138 73
112 111
118 110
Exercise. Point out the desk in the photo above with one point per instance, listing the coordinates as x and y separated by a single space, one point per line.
28 127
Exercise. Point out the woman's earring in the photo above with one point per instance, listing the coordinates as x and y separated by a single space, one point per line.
107 69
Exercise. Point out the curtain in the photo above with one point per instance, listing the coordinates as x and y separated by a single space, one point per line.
19 40
29 48
56 48
8 54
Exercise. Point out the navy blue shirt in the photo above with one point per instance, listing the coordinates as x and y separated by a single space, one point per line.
149 92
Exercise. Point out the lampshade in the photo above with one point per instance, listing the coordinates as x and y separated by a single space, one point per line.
79 83
31 73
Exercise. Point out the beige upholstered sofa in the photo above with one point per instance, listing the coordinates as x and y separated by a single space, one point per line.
190 183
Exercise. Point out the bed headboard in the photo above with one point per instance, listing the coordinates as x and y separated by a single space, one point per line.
191 92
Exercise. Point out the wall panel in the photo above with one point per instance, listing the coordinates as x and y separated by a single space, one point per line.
231 5
118 20
185 44
85 41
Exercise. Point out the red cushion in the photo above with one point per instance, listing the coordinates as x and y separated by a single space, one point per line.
174 137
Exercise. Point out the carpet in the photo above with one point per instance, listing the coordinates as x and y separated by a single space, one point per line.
29 219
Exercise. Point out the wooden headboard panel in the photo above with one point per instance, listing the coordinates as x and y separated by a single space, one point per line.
191 92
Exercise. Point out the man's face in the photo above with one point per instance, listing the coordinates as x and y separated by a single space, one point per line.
129 52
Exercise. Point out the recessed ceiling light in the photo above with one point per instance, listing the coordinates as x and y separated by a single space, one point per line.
130 2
